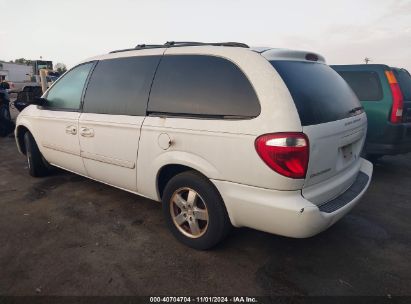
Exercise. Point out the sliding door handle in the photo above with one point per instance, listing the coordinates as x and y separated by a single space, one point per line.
86 132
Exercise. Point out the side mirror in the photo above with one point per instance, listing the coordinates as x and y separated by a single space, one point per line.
39 101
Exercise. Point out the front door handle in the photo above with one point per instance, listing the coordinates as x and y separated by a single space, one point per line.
71 130
86 132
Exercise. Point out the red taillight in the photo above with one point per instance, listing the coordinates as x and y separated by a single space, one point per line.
285 153
397 98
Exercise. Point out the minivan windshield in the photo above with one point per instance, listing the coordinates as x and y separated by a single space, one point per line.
320 94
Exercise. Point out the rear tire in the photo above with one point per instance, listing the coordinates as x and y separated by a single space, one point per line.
194 211
373 157
3 130
38 166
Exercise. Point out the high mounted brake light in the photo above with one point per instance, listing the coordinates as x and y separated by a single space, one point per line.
285 153
311 57
397 98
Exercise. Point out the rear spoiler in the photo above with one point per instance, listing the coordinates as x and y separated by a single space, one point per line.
282 54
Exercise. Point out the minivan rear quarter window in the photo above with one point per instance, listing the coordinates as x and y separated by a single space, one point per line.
365 84
202 85
319 93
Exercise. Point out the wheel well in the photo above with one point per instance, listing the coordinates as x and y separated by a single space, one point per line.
20 138
168 172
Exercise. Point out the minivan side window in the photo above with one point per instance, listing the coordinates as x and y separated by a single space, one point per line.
120 86
67 92
365 84
202 85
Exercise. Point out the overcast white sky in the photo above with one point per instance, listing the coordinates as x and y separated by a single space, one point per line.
343 31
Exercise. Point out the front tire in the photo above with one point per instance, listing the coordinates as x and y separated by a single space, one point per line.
194 211
36 162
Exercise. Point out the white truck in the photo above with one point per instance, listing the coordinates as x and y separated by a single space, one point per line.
22 75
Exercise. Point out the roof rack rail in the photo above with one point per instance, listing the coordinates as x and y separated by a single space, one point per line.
148 46
169 44
194 43
140 47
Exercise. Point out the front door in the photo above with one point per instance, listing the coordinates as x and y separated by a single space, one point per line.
57 122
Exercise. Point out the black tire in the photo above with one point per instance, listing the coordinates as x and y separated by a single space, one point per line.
38 166
373 157
218 224
3 129
6 124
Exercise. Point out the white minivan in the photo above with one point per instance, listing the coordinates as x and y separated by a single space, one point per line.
222 134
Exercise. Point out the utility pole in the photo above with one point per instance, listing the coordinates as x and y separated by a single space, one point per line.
366 59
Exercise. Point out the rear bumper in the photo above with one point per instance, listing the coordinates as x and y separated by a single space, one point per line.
288 213
395 140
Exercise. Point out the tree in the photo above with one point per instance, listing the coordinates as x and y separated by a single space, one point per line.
23 61
60 67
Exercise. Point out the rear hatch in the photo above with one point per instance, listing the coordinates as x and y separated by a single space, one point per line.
404 80
334 122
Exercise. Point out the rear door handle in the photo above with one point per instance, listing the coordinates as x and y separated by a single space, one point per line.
86 132
71 130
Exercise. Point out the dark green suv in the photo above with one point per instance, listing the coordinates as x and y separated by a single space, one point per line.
385 94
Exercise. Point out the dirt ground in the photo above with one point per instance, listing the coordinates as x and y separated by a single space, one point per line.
67 235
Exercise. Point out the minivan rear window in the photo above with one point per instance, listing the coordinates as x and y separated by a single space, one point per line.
365 84
319 93
404 80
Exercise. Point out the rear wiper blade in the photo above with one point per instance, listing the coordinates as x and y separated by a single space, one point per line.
355 110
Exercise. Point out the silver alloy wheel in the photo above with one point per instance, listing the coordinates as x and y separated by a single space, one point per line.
189 212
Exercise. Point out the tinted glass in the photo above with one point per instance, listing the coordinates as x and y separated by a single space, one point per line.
67 92
366 85
319 93
120 86
404 80
202 85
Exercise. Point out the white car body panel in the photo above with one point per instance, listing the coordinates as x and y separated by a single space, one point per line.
330 172
51 132
203 151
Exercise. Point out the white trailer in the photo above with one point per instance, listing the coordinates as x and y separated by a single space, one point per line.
19 74
16 72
